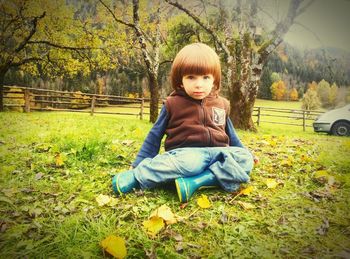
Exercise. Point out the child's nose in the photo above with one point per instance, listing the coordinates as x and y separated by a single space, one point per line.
200 83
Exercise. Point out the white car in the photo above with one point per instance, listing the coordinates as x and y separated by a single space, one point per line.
336 122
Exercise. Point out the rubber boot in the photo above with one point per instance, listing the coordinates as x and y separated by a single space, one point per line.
124 182
186 186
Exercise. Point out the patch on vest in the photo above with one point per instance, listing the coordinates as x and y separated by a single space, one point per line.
219 116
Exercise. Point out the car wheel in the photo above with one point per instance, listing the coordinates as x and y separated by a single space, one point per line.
341 128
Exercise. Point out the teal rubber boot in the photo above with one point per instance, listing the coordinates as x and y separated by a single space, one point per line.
124 182
186 186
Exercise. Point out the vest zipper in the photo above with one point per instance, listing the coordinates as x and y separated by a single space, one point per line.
205 122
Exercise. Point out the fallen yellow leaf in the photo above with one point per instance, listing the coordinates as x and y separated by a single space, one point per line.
246 205
58 160
153 225
115 246
247 190
165 213
103 199
272 143
112 202
203 202
271 183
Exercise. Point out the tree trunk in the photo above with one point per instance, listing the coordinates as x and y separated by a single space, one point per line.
244 87
154 90
2 77
241 108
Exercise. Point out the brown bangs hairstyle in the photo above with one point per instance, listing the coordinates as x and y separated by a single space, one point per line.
195 59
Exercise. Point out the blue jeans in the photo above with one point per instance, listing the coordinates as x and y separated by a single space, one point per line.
230 165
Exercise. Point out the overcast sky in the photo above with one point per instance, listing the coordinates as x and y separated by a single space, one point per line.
328 19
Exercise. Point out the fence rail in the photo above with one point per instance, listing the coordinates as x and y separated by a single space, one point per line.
29 99
33 99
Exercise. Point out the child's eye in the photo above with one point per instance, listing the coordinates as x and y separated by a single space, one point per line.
190 77
206 77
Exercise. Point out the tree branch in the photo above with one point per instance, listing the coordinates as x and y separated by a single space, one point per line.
60 46
139 34
301 10
281 28
131 25
115 18
201 23
25 61
31 33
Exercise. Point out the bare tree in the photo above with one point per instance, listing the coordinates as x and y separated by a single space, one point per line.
245 50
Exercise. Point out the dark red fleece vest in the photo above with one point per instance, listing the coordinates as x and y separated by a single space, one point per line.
196 123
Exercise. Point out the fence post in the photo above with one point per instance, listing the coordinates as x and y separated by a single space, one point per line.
26 100
93 100
258 121
304 125
141 108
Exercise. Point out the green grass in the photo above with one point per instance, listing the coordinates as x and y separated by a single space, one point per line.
48 210
278 104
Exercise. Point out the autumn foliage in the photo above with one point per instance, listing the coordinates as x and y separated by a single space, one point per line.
293 95
278 90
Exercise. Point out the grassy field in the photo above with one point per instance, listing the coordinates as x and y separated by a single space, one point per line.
53 166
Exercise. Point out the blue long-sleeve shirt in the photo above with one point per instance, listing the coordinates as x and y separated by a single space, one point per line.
151 145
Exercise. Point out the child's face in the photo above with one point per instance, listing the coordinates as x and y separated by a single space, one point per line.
198 86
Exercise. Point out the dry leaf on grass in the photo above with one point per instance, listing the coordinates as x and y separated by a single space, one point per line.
114 245
103 199
165 213
59 160
157 220
271 183
203 202
153 225
246 205
247 191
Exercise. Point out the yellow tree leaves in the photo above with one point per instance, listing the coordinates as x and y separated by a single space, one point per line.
293 94
278 90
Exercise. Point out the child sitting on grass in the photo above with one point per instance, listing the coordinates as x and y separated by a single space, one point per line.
202 147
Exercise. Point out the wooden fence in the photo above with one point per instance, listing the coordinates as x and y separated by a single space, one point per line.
33 99
293 117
